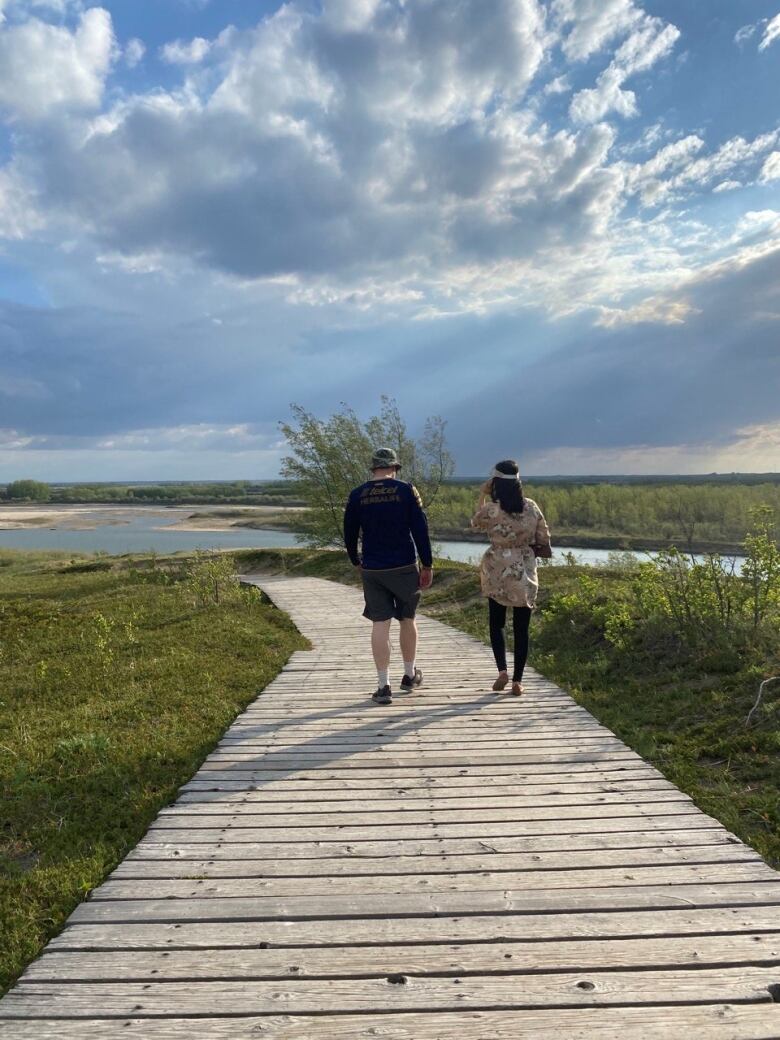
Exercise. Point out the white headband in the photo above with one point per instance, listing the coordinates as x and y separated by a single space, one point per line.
505 476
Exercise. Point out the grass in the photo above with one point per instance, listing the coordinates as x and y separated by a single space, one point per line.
113 689
686 717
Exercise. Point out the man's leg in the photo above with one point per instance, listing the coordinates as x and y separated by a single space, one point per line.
409 643
413 677
380 648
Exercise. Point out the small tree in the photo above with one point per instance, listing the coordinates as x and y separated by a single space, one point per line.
761 572
329 457
211 580
30 490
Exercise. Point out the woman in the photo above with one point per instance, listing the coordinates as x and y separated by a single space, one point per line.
518 534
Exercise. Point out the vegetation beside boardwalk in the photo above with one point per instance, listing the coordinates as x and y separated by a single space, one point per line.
117 677
668 656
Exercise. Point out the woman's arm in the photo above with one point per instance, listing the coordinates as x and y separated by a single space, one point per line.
541 543
484 493
481 519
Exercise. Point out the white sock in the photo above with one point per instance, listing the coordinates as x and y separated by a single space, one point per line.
384 677
409 667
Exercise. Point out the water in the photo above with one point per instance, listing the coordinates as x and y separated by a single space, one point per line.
471 552
148 532
138 534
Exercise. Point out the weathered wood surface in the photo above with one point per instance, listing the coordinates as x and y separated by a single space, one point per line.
245 996
455 865
693 1022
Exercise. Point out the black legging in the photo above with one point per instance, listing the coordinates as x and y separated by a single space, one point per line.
521 620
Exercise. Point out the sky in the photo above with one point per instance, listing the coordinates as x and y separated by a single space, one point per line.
555 223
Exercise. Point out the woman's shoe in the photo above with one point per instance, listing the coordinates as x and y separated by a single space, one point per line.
500 682
517 689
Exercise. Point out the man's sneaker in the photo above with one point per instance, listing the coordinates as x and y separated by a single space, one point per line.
412 682
384 695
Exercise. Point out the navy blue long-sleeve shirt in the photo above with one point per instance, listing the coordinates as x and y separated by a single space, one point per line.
389 516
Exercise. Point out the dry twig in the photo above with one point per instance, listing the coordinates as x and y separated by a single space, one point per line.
761 688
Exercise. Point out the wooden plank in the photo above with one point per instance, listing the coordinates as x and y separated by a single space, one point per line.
545 927
717 1021
151 849
441 883
317 746
708 985
400 832
242 802
347 790
701 951
251 815
376 760
276 866
447 779
436 773
260 908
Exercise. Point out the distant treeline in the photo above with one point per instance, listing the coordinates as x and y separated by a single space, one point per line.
686 515
625 478
239 492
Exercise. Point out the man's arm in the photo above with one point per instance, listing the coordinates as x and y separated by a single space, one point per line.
352 530
418 524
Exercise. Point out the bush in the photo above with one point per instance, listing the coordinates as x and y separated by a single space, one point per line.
678 608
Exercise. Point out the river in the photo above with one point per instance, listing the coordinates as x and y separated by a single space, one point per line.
134 531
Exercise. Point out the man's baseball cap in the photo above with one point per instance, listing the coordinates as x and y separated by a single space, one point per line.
384 458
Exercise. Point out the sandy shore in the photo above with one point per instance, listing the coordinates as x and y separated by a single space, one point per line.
177 518
226 518
77 517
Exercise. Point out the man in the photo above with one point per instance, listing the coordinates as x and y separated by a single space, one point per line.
387 515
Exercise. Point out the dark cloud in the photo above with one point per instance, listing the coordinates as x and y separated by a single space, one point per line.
86 374
647 384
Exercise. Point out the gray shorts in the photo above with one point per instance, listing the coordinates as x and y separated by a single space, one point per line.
391 594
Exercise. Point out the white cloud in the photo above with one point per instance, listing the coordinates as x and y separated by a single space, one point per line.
559 85
687 174
235 438
350 15
771 33
649 41
592 104
592 24
134 52
185 52
646 179
744 34
748 449
655 311
727 186
18 215
46 67
379 157
238 437
770 171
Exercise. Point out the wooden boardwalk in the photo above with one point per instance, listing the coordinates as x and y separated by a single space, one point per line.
458 865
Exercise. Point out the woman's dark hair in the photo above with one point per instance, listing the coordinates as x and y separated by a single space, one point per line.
508 493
